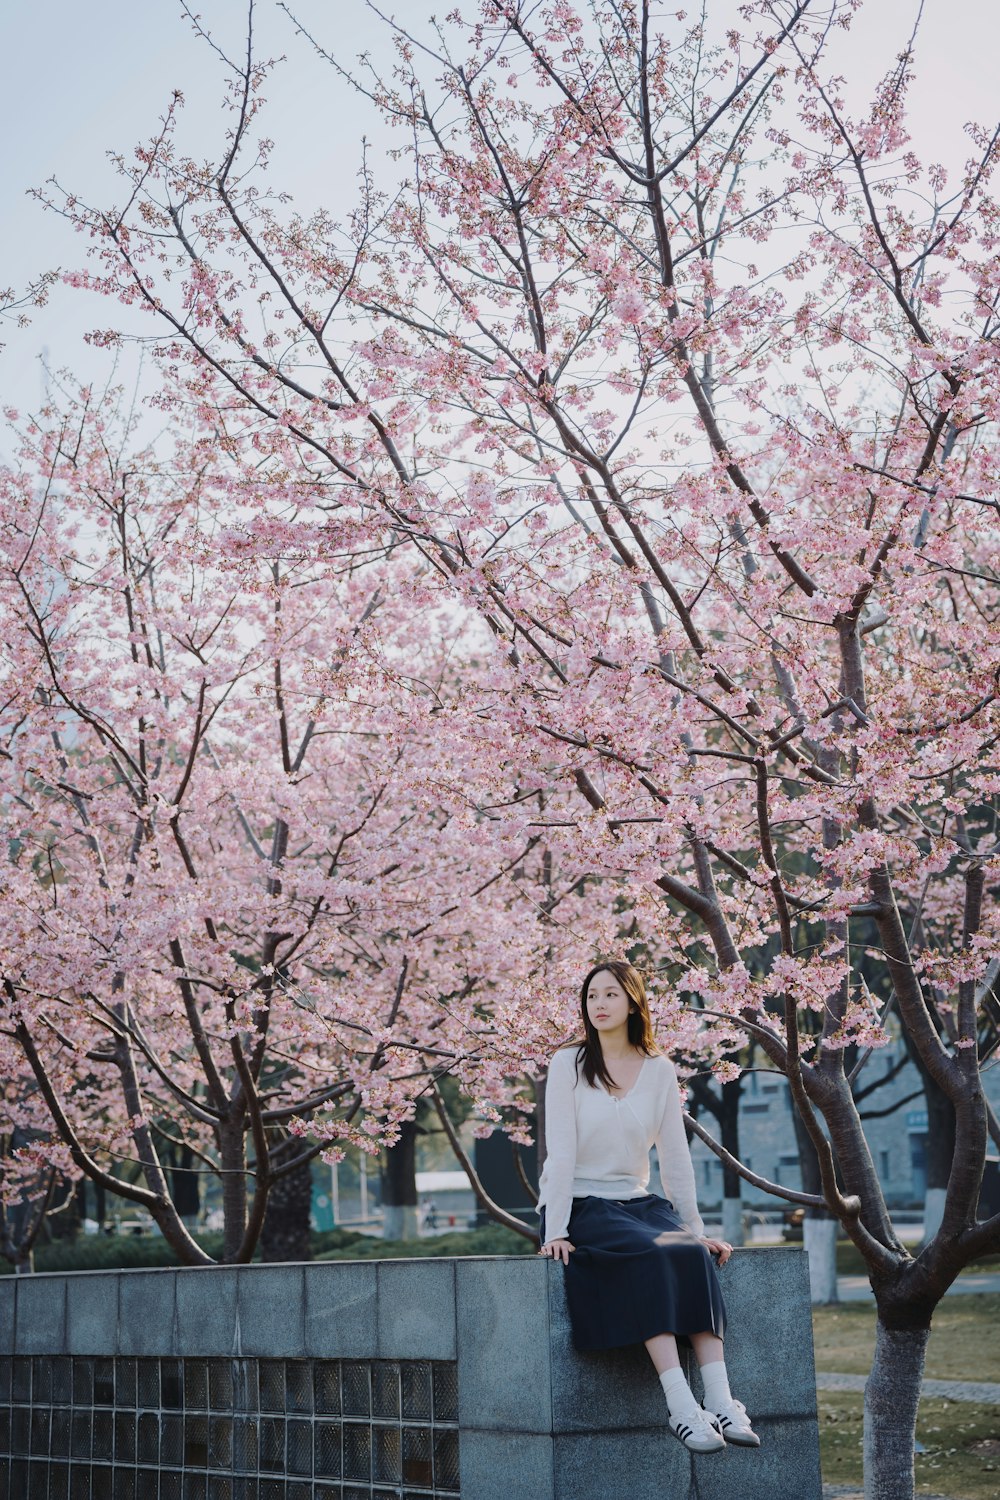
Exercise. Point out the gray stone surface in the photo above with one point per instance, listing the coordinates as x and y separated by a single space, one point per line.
502 1466
8 1290
539 1421
785 1464
769 1332
341 1301
92 1312
504 1362
41 1315
416 1309
206 1316
629 1464
597 1392
272 1311
146 1301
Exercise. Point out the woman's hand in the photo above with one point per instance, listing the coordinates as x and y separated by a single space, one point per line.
558 1250
721 1248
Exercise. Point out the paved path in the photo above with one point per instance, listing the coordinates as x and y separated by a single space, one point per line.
982 1391
856 1288
851 1492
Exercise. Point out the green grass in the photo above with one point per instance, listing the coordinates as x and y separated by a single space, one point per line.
962 1439
962 1442
963 1343
850 1263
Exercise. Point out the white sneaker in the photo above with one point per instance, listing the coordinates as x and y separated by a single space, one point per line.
698 1432
732 1421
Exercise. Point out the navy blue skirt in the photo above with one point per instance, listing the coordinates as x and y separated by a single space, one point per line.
635 1272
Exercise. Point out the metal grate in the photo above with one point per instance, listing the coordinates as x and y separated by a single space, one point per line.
227 1429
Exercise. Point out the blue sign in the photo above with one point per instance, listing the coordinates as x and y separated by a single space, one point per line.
916 1119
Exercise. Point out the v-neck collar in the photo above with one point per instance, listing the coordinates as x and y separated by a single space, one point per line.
620 1098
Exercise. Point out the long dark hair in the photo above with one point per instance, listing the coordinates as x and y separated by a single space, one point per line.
589 1056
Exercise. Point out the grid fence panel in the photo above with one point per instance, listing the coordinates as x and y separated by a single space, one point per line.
228 1429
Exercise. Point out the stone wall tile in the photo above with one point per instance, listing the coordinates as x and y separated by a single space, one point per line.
786 1463
341 1301
146 1305
767 1291
505 1466
416 1309
594 1466
503 1345
206 1312
92 1312
41 1315
8 1297
271 1308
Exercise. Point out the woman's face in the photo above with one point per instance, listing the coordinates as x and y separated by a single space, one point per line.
607 1002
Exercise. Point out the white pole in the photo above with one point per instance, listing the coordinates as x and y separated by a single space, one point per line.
364 1187
335 1192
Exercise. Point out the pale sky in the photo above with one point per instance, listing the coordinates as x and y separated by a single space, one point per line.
83 77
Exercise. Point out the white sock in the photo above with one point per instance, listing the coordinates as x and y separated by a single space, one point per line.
680 1398
715 1379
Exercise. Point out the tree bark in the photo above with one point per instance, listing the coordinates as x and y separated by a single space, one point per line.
892 1394
233 1160
399 1185
732 1183
724 1107
185 1183
284 1235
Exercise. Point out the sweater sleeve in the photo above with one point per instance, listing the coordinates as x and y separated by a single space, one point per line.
560 1143
674 1156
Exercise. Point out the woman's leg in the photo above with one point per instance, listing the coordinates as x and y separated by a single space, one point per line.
711 1356
663 1352
731 1415
686 1419
708 1348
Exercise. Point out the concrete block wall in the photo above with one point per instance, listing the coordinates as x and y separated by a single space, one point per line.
536 1420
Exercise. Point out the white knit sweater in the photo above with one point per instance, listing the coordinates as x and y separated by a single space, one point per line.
597 1145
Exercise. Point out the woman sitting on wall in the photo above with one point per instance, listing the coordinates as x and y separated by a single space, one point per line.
638 1269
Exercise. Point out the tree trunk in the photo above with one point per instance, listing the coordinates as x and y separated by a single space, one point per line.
233 1160
940 1153
399 1185
185 1183
819 1228
724 1107
892 1394
284 1235
732 1182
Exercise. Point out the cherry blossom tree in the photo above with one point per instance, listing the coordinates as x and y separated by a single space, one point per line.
229 912
37 1177
676 382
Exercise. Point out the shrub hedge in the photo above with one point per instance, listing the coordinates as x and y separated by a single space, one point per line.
131 1252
